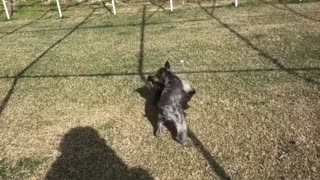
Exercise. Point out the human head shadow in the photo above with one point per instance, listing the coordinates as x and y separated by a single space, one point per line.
85 155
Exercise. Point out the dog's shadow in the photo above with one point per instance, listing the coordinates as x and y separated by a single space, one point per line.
152 95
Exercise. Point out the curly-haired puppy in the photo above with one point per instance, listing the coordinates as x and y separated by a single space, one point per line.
174 98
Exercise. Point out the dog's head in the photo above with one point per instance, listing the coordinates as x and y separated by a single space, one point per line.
162 72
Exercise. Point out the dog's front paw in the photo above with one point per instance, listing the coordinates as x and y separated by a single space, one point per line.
159 133
193 91
150 78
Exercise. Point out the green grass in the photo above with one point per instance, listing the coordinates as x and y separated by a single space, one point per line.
75 110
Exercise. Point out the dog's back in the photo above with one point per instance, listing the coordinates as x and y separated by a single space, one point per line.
173 90
170 104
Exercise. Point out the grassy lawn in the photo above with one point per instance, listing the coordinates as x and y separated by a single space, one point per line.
74 104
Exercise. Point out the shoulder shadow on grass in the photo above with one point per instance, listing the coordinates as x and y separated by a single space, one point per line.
150 93
85 155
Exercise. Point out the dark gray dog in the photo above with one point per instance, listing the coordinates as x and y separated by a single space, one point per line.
174 98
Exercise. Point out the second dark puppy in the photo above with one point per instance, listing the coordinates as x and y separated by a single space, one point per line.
174 97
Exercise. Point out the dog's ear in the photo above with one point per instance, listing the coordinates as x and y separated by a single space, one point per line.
167 65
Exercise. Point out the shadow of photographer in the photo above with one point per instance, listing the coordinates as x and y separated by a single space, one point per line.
85 155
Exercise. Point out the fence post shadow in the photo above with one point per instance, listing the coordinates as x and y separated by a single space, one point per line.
148 92
300 14
216 168
261 53
152 95
156 3
106 7
24 25
144 19
19 75
86 155
141 52
286 7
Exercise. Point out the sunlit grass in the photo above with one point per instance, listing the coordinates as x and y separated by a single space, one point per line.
255 69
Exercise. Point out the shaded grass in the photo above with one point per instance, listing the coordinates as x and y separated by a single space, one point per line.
254 119
23 168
